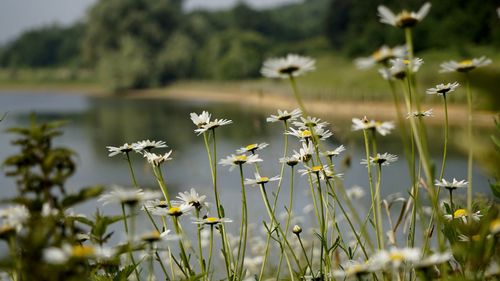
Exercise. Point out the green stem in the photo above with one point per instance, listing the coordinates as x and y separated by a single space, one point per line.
370 180
470 158
132 174
243 228
378 205
184 257
441 174
129 235
210 250
305 256
200 250
161 182
297 95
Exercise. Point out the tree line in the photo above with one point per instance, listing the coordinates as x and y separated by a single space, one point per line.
144 43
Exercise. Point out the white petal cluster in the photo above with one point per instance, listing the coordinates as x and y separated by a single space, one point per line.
290 66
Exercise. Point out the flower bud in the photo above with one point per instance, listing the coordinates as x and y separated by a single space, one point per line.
297 229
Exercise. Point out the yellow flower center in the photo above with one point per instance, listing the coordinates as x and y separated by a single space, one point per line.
240 159
212 220
316 169
495 226
175 211
162 204
476 237
251 147
460 213
397 256
263 179
152 236
406 19
82 251
465 63
306 134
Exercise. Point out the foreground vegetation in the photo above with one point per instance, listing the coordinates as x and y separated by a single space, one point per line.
426 234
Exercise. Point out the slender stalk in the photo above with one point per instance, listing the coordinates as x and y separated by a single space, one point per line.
305 255
129 235
243 228
470 158
297 95
378 203
372 191
210 250
161 182
441 174
132 174
184 256
200 249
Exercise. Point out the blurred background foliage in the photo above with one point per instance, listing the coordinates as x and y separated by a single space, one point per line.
147 43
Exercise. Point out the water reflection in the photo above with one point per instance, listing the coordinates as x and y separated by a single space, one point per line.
95 123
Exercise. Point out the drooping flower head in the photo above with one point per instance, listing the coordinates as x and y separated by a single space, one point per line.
252 148
200 120
235 160
124 149
382 128
284 115
127 196
464 65
427 113
212 125
451 185
212 221
380 160
399 68
155 159
260 180
192 198
442 89
147 145
381 56
290 66
404 19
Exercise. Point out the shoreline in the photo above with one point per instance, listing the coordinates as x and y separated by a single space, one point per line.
328 108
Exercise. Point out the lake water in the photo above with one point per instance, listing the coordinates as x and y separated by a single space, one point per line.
94 123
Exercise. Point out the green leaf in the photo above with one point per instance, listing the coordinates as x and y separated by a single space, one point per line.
82 196
495 188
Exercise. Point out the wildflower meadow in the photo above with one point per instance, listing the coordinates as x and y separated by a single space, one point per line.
435 229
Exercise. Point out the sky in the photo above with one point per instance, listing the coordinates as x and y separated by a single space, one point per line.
17 16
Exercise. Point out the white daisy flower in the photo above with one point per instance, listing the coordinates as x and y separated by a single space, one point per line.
127 196
399 68
305 152
335 152
381 159
463 215
285 115
451 185
394 257
260 180
308 122
56 255
464 65
212 125
156 207
212 220
355 193
156 236
252 148
236 160
192 198
148 145
124 149
14 217
381 56
155 159
352 269
443 89
200 120
382 128
318 169
304 134
329 174
403 19
434 259
177 210
290 66
427 113
291 160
